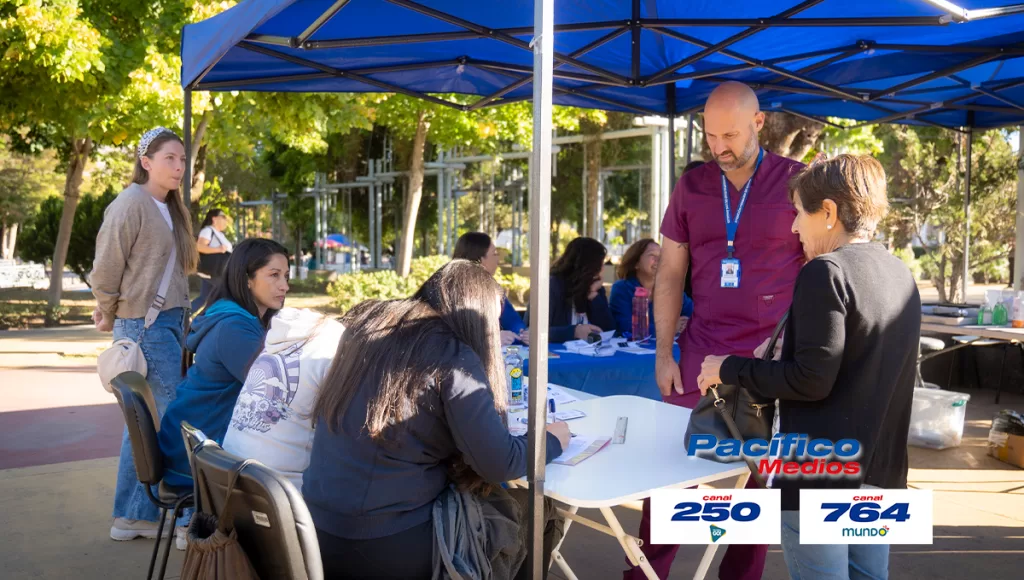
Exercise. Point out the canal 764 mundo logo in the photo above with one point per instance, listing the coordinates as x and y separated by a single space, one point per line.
865 516
715 516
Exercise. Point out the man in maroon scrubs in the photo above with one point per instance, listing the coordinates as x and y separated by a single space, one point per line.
731 221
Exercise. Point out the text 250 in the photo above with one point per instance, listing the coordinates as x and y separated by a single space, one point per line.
691 511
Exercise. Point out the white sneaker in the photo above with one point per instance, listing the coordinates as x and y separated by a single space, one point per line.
180 533
125 529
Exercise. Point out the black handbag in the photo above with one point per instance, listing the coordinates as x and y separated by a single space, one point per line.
732 412
213 264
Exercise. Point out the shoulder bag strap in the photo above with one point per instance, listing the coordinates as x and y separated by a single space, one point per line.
161 293
224 519
730 424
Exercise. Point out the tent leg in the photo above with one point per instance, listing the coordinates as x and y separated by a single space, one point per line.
967 213
689 138
186 130
1018 254
540 262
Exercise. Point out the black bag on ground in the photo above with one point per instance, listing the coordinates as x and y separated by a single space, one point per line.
732 412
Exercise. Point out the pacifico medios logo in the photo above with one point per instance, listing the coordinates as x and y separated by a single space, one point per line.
786 454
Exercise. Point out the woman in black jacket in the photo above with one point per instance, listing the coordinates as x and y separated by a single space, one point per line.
849 360
577 303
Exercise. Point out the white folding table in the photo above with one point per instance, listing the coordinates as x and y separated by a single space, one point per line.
652 457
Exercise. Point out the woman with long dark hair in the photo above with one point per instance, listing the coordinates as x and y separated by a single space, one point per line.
226 338
145 232
416 400
212 245
578 305
478 247
637 269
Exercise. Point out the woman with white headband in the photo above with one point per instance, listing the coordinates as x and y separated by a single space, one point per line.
146 233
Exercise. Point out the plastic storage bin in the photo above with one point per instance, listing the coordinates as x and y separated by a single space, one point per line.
937 418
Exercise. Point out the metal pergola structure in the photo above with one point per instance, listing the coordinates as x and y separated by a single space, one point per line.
874 61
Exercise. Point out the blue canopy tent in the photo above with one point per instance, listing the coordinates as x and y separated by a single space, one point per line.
913 61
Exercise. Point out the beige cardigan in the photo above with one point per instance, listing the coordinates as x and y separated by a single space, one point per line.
132 249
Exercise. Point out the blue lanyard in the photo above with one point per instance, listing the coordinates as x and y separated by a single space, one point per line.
731 224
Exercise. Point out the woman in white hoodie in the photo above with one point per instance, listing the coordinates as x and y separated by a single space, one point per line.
271 421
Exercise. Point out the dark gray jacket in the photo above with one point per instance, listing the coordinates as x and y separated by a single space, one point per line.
357 488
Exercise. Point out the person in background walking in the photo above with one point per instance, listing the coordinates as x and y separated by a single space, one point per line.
478 247
211 242
637 269
133 248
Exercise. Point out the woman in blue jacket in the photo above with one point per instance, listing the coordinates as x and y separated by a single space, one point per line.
226 338
577 303
638 268
478 247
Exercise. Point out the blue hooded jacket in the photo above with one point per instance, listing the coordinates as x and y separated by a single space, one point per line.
226 339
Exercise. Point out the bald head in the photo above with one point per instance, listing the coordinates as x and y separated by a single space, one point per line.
732 119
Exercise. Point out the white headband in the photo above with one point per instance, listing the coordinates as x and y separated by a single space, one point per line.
148 136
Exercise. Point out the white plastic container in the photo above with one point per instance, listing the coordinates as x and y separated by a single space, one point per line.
937 418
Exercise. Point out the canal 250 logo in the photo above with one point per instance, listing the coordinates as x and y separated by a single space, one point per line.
702 516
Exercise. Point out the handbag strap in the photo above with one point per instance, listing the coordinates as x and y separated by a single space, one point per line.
224 519
161 292
730 423
769 352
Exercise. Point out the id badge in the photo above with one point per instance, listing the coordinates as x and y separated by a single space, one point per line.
730 273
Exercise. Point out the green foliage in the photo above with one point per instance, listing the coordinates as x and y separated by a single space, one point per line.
351 289
25 180
41 232
516 287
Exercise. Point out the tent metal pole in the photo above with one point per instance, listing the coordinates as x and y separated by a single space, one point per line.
892 91
371 196
754 29
656 171
967 205
186 130
525 81
583 222
1018 253
440 205
540 263
318 23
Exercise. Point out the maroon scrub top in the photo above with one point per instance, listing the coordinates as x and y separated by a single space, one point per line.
733 321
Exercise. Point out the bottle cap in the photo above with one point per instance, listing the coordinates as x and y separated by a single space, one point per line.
641 291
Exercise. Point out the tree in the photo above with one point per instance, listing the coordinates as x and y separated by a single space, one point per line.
81 73
25 180
41 231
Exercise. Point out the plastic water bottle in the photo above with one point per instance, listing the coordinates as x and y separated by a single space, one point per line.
641 324
514 375
1000 317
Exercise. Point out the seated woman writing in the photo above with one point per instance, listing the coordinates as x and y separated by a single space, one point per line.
415 401
637 269
225 338
578 305
478 247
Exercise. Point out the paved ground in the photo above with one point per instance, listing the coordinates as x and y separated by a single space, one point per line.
60 433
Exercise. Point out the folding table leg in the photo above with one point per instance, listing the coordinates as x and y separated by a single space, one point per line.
712 549
556 554
629 543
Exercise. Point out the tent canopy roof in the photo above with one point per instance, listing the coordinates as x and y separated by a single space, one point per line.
916 61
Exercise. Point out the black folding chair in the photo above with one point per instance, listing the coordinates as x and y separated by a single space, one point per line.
135 398
268 514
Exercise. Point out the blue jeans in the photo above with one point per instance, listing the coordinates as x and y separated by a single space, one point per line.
161 345
830 562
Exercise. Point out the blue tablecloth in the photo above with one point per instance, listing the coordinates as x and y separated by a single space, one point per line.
622 374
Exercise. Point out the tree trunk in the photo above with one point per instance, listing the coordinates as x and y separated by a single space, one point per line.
8 239
414 196
593 161
80 149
